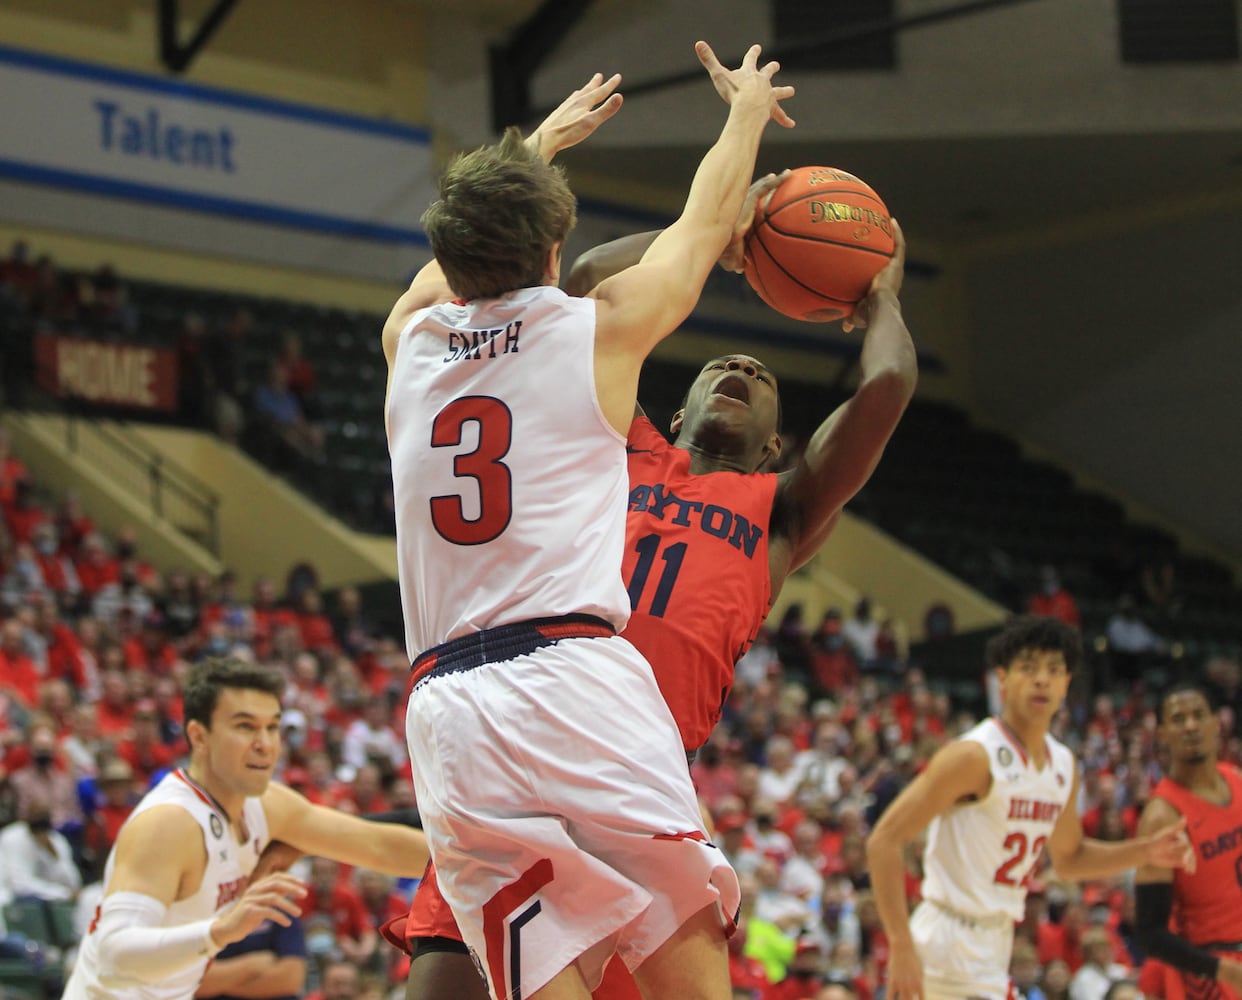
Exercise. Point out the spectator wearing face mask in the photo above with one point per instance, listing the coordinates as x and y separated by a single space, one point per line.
43 779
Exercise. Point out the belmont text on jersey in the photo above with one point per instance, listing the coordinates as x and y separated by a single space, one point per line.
1034 809
660 501
475 345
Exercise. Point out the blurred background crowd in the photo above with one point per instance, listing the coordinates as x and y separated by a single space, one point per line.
828 719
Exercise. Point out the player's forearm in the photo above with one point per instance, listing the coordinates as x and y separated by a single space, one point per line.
884 862
1101 859
229 975
394 849
724 174
888 354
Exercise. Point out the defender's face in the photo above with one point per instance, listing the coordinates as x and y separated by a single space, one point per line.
243 744
1035 682
1188 727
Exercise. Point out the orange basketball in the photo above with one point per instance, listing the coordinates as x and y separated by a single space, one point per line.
818 242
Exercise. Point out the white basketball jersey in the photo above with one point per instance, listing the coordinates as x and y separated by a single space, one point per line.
981 855
229 865
510 485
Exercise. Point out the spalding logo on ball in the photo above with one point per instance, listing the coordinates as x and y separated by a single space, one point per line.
817 243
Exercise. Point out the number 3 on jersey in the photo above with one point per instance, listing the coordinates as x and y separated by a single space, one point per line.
483 465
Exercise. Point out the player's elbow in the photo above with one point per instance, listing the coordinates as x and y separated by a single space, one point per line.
894 379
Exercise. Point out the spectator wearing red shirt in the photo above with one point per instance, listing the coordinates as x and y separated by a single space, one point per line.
73 527
25 514
116 800
144 751
12 471
327 895
1108 798
364 794
19 677
150 650
114 714
805 974
1052 600
97 567
269 616
60 576
314 625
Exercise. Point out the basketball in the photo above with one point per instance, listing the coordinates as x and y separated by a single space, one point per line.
817 243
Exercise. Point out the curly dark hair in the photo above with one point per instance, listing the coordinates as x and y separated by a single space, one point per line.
1034 632
211 676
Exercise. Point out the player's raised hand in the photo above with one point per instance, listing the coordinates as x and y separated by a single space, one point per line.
734 256
272 898
748 82
1171 848
888 280
580 114
904 974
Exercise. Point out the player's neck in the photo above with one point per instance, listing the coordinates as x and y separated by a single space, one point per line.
1203 779
220 798
704 460
1032 734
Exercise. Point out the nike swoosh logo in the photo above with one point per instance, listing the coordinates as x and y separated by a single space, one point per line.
638 451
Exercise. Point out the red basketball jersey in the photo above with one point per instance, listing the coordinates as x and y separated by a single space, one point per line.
1207 904
696 567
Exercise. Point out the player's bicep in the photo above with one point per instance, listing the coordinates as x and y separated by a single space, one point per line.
1157 815
159 852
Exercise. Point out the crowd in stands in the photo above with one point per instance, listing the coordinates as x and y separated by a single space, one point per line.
824 727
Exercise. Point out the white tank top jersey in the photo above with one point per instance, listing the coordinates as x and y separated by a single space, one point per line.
981 855
510 485
229 864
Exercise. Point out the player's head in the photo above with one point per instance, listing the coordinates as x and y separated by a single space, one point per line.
232 723
1035 656
500 220
1188 725
733 407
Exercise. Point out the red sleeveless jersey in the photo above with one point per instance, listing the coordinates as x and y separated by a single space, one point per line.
1207 904
696 567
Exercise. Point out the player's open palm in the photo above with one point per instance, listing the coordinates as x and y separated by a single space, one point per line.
1171 848
272 898
579 115
904 975
749 82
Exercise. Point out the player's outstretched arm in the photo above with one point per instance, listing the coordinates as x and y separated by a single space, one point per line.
578 116
643 304
392 848
845 449
1078 857
958 771
1153 899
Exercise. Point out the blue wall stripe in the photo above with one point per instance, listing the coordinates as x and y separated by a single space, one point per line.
211 95
237 208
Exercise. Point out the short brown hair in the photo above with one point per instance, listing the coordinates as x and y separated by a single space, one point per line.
501 209
211 676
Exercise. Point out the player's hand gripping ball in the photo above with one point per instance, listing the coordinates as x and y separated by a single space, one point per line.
816 243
